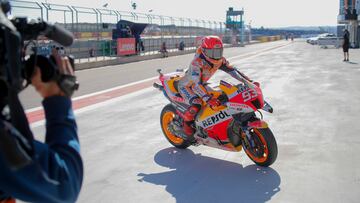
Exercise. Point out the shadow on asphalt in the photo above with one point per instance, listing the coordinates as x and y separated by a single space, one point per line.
197 178
352 62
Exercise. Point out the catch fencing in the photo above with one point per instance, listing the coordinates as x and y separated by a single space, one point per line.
92 28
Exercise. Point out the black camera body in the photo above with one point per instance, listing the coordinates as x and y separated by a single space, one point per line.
14 69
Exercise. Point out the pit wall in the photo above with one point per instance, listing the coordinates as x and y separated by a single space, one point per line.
137 58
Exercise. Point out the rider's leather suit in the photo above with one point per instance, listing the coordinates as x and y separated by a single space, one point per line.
191 85
200 71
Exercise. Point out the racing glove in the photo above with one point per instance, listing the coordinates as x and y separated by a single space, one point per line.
214 102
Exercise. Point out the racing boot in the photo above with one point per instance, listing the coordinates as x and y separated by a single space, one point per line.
176 127
189 118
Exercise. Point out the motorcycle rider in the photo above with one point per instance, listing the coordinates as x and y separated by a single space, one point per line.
208 59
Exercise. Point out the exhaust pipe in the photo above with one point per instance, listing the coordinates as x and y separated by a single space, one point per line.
159 87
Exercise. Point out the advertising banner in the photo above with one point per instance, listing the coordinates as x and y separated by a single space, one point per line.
125 46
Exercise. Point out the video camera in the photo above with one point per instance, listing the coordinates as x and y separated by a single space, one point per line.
16 67
15 36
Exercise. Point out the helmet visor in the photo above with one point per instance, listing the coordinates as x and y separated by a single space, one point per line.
215 53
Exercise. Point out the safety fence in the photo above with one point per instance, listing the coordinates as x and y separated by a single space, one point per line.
92 28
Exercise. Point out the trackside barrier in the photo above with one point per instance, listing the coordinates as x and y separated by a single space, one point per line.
130 59
93 29
269 38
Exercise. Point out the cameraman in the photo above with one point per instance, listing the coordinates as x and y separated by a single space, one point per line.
55 170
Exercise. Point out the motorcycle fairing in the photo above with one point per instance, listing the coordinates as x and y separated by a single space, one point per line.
216 137
208 117
214 123
258 124
235 108
249 95
267 107
171 92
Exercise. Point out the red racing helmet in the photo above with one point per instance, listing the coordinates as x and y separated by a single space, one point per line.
212 47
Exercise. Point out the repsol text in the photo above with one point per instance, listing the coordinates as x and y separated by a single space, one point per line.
222 115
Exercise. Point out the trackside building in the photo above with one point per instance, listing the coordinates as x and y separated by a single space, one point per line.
349 18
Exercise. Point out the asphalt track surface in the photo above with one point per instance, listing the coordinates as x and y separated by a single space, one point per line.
99 79
316 100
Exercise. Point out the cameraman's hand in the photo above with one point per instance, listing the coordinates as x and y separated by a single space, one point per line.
47 89
51 88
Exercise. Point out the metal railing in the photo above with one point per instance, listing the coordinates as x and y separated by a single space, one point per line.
92 28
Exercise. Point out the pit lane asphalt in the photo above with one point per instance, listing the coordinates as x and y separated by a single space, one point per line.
316 101
98 79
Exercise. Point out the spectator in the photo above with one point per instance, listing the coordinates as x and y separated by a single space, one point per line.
163 50
346 44
91 52
128 32
181 46
53 171
139 44
142 45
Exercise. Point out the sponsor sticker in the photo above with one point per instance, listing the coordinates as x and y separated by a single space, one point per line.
214 119
185 92
177 99
239 107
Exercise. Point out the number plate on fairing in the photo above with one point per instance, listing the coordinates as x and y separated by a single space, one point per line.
249 94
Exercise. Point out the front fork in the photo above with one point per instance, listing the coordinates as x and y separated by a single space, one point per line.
258 124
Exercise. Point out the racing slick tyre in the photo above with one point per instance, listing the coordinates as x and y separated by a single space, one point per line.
167 115
263 150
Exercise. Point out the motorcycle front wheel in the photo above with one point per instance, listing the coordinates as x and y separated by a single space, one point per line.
167 115
261 148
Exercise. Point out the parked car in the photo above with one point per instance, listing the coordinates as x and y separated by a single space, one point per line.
324 42
314 40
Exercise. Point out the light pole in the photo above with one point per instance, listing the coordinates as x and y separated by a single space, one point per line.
133 5
242 28
250 37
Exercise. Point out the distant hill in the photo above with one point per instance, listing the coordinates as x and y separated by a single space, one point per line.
330 29
295 30
316 28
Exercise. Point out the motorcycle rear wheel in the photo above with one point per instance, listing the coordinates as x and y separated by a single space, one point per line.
167 115
265 151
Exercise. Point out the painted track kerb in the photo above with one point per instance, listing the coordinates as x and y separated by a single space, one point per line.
99 92
36 115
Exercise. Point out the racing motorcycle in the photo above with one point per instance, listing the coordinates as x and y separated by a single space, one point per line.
232 126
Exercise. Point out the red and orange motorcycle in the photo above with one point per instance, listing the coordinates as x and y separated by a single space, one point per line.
232 126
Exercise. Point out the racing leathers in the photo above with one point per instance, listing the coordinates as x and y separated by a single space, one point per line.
192 89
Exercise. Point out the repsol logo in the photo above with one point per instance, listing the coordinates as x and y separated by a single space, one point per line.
215 119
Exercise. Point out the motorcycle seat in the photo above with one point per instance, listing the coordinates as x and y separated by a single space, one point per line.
176 85
173 86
